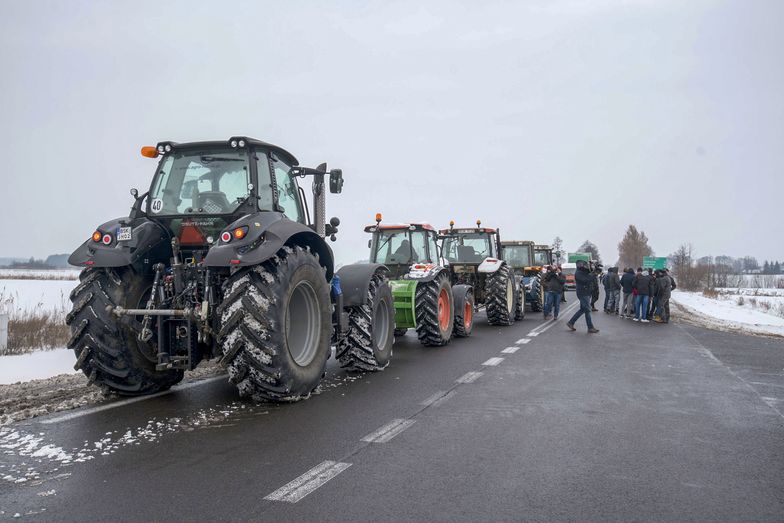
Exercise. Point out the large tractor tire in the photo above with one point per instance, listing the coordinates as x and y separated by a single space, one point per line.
464 318
400 332
367 345
520 302
537 294
108 350
276 326
500 306
435 311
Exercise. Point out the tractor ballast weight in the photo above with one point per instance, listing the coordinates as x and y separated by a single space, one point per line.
423 297
220 259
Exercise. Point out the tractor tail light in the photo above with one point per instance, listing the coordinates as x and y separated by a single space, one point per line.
226 237
97 236
107 239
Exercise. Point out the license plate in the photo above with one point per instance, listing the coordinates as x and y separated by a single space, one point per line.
124 233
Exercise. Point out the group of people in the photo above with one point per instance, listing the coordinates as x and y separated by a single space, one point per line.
646 296
642 296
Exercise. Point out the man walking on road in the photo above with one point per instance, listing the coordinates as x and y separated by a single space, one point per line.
554 282
585 282
642 284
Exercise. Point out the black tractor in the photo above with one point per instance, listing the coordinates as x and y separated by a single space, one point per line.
474 259
221 259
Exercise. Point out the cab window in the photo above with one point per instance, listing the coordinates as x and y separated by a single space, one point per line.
288 193
265 182
433 247
418 247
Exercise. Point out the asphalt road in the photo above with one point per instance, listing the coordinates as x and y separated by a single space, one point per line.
639 422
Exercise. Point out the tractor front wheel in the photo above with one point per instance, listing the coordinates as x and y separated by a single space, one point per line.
464 318
500 297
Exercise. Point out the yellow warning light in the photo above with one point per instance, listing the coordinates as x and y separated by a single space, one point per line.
378 217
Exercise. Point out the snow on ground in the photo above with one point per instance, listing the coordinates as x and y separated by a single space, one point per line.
724 313
20 296
36 365
51 274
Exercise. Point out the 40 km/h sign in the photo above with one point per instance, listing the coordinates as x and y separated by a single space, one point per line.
653 262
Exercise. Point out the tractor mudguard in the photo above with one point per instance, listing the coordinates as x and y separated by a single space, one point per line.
267 233
459 293
354 281
145 237
424 272
490 265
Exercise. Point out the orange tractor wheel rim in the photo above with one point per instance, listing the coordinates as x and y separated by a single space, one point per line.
468 315
443 310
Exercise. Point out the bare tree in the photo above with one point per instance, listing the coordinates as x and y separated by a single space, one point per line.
590 247
558 250
633 247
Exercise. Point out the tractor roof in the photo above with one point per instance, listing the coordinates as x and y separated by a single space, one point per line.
393 226
224 143
542 248
467 230
516 242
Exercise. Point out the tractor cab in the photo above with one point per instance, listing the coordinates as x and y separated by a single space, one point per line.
519 254
470 247
401 245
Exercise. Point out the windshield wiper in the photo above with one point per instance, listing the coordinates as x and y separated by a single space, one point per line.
208 159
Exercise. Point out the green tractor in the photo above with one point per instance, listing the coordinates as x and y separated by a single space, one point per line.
474 259
528 260
220 259
424 297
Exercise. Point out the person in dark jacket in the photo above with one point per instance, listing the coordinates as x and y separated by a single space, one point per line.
641 284
554 282
585 281
663 290
627 309
652 297
612 286
597 274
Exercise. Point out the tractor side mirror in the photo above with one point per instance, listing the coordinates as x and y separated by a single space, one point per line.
370 242
135 193
336 181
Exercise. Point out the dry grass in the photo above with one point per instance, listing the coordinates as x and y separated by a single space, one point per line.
711 293
37 328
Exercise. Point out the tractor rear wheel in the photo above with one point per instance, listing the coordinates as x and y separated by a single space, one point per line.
500 297
400 332
520 303
464 319
108 350
367 345
434 311
276 326
537 293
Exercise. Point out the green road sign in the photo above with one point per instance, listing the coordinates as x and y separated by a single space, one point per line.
574 256
653 262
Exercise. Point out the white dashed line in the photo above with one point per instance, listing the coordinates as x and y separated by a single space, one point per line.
388 431
523 341
492 362
437 399
510 350
533 334
123 403
308 482
469 377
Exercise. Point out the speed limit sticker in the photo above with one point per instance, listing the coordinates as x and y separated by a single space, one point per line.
157 205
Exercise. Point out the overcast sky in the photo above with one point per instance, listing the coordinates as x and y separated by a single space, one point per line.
544 118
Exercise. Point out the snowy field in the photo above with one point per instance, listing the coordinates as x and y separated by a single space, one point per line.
36 365
727 312
18 297
27 274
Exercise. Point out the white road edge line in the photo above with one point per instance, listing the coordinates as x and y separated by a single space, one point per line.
129 401
539 329
469 377
388 431
510 350
308 482
492 362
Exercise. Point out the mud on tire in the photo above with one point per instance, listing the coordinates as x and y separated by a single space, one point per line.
464 319
107 350
276 326
500 297
435 311
367 345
